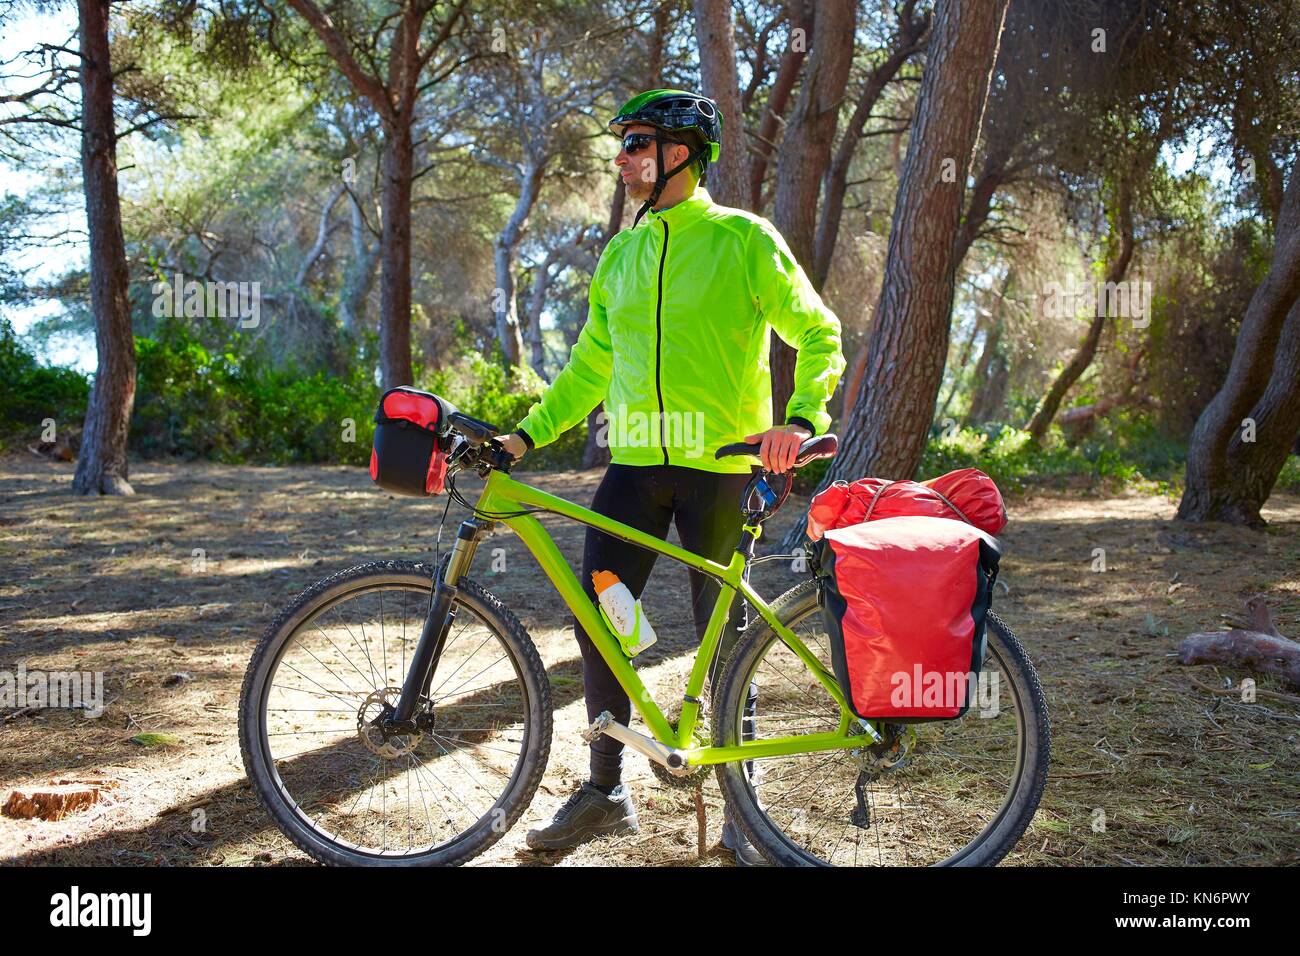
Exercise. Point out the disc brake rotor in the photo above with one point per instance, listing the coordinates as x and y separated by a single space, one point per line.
374 708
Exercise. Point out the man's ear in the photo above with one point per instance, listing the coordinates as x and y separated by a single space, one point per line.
679 155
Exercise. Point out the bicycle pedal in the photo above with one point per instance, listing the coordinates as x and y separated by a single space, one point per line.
598 726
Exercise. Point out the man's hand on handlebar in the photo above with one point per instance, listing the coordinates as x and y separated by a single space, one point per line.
513 444
780 446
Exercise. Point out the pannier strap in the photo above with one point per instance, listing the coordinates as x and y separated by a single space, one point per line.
881 490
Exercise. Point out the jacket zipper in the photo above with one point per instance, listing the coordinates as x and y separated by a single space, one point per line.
659 332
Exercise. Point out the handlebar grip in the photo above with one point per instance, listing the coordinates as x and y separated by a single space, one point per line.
738 448
819 446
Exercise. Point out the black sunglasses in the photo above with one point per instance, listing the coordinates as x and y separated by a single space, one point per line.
635 142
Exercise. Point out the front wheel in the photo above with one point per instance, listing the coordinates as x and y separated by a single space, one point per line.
945 793
316 752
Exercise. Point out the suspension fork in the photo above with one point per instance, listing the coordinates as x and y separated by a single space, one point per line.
437 624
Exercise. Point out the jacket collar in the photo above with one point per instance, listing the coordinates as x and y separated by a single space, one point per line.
688 210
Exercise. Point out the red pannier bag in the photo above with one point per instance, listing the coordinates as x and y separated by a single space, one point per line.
905 584
968 495
409 456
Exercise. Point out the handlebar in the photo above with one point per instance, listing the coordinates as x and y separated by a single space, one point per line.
484 451
820 446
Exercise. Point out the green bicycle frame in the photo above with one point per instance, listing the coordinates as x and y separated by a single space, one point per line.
503 494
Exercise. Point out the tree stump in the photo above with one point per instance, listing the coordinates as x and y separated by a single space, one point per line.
52 802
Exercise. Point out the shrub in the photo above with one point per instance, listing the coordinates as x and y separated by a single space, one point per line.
1123 451
1289 479
237 405
481 386
31 392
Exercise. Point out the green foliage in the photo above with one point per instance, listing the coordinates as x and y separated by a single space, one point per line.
807 478
1289 479
1127 450
152 739
31 392
238 405
1123 450
481 386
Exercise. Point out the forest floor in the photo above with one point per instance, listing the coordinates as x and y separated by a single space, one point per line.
1183 775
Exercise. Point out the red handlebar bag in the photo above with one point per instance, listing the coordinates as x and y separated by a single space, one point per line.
410 450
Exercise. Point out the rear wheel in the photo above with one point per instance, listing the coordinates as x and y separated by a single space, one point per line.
946 793
328 668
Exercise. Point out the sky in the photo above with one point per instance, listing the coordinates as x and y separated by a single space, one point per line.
19 35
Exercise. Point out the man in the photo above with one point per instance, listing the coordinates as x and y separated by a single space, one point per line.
676 345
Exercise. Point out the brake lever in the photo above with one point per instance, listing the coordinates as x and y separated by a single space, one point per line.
492 455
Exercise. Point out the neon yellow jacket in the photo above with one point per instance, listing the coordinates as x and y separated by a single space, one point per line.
676 340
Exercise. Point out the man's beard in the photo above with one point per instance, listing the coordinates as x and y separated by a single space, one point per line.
639 190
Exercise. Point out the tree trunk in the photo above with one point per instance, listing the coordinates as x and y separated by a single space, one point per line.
805 157
993 175
504 307
532 337
715 32
359 277
985 388
963 359
102 466
559 258
801 18
617 203
1082 358
1277 420
888 427
395 255
1231 468
990 380
595 454
910 39
853 384
1253 454
395 104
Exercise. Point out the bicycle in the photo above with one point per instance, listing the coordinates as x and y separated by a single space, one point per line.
460 760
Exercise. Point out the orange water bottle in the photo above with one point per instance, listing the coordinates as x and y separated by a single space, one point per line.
623 613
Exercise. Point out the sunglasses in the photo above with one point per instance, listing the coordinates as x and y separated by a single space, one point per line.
635 142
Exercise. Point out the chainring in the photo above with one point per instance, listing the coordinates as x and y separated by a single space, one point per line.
695 776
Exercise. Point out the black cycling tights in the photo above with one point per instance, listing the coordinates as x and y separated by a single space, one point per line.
706 509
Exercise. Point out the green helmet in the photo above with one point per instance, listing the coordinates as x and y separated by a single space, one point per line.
680 112
675 111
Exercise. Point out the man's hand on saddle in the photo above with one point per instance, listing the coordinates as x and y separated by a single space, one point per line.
780 446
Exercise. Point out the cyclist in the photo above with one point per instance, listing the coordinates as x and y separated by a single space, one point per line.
676 346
